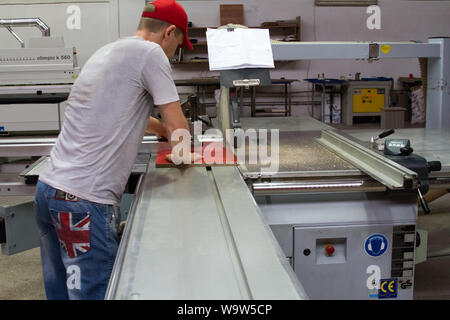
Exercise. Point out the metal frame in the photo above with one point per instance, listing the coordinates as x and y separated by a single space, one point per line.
437 50
438 93
320 50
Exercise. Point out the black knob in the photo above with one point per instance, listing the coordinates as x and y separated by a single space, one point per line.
406 151
434 166
306 252
386 133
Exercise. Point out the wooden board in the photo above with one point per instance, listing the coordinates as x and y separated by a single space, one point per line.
231 13
209 157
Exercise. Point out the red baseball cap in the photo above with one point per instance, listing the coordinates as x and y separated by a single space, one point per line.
173 13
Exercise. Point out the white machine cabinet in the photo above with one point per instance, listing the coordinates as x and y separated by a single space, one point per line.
345 273
371 238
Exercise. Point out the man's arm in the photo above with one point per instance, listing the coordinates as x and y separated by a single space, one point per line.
156 127
173 118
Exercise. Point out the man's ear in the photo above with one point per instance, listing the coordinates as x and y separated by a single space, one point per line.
169 30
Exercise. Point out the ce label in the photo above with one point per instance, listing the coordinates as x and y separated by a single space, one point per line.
390 286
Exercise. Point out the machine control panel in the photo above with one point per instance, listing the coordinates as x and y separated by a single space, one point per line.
32 58
397 147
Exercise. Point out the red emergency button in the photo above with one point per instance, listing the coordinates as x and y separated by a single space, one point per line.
329 249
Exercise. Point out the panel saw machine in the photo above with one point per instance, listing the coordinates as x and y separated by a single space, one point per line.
343 210
35 81
344 214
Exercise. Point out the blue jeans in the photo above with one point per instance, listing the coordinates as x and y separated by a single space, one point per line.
78 244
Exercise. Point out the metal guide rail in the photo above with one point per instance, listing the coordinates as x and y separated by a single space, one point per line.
431 144
386 171
313 186
27 146
197 234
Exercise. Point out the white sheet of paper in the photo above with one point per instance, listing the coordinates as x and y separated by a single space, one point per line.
238 49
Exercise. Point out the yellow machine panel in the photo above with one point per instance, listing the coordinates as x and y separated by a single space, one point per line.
368 100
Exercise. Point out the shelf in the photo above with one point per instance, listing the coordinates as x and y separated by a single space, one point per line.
278 30
197 28
200 44
191 62
277 27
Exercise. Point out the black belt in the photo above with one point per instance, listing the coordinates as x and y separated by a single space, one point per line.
61 195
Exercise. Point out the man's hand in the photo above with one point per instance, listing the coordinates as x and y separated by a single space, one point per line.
174 120
194 158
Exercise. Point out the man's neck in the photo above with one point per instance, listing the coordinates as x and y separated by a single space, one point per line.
149 36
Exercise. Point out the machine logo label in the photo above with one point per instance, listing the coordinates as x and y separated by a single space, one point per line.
388 289
376 245
386 49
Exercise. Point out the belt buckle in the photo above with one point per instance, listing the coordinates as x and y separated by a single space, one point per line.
61 195
71 197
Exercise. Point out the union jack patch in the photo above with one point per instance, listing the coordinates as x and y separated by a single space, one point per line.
73 230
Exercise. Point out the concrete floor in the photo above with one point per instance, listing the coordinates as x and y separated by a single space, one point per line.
433 276
21 276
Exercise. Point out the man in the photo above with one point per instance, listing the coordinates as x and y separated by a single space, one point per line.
78 195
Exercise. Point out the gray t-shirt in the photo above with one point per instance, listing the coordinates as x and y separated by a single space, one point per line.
106 117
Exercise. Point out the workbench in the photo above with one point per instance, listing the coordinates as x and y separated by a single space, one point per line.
203 83
330 87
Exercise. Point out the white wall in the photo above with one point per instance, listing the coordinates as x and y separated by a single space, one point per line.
99 24
401 20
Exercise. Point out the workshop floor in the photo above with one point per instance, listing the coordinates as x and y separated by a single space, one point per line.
21 275
433 276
